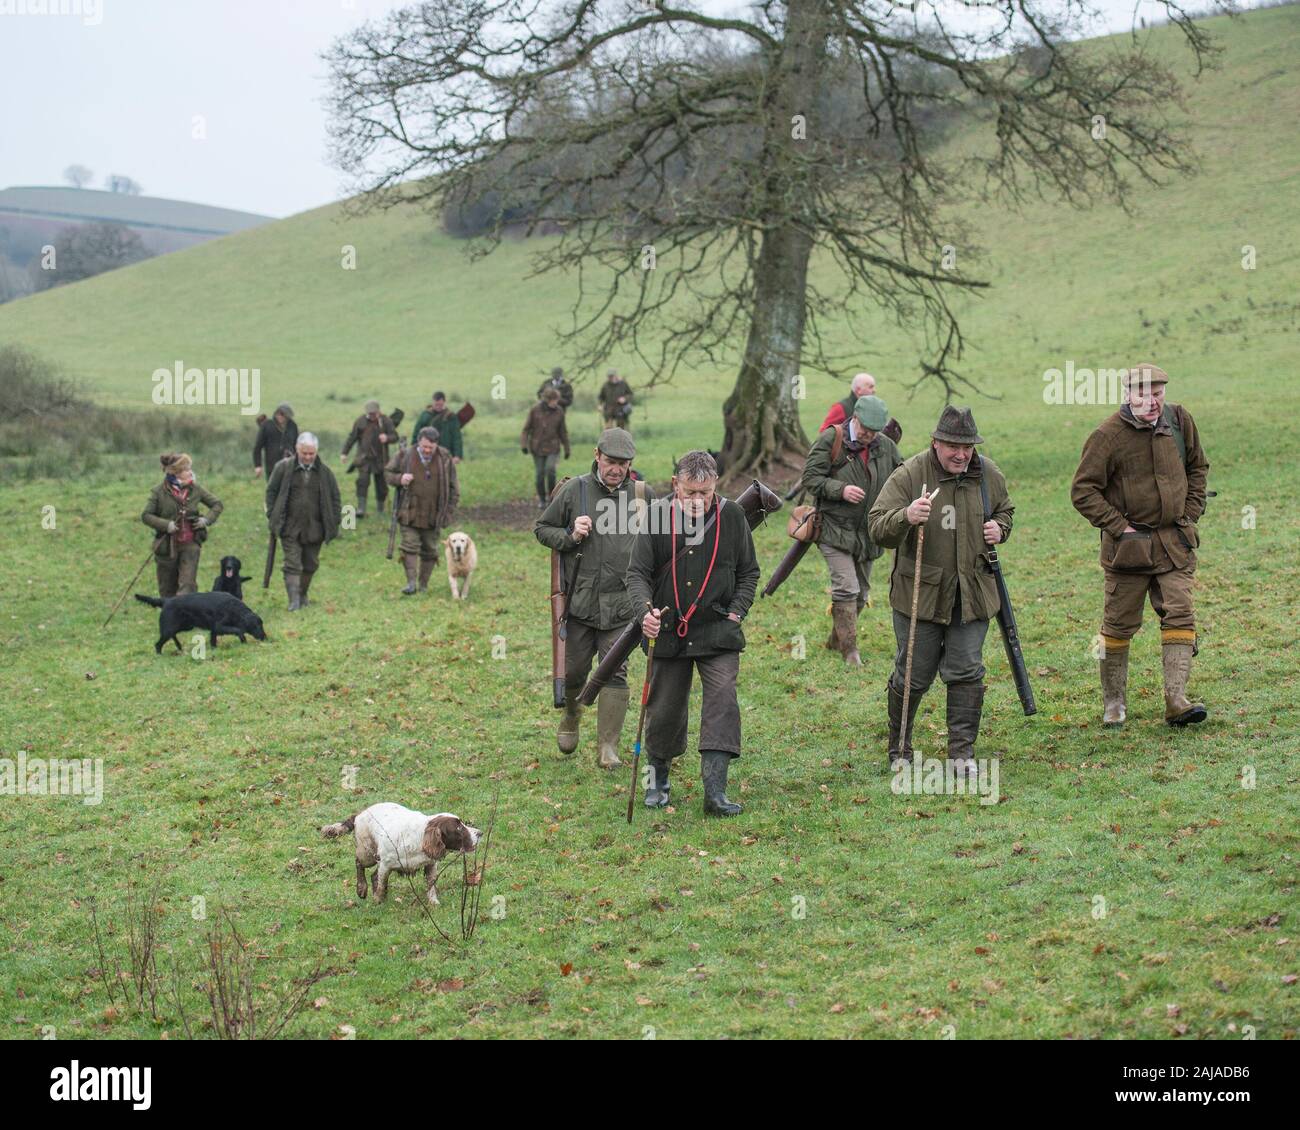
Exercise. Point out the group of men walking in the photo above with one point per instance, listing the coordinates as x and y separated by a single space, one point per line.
683 567
546 432
687 572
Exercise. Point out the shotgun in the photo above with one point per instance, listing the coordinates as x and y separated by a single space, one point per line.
397 505
270 563
1007 618
559 628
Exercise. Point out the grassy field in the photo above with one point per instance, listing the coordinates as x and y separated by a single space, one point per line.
922 916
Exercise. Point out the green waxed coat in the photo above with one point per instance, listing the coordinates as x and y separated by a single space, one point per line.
731 586
844 524
597 588
277 498
954 537
448 425
163 508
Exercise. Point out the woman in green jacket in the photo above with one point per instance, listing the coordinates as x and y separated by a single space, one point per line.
173 513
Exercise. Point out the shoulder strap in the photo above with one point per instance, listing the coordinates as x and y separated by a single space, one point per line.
1171 418
638 493
837 444
984 491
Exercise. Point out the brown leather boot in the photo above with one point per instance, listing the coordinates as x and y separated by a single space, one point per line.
411 563
426 571
1179 711
1114 684
566 737
611 709
845 614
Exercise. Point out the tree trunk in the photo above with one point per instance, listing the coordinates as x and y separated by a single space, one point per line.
761 416
763 437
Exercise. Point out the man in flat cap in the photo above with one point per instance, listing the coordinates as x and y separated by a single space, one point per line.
844 473
591 521
276 439
1141 482
426 474
371 433
958 596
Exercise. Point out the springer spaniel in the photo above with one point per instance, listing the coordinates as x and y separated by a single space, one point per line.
402 840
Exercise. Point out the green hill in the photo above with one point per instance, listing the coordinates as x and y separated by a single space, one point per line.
1166 282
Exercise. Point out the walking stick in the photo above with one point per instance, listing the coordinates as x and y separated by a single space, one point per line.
131 585
640 725
911 626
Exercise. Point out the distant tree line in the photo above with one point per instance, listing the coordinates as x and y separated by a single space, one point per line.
78 252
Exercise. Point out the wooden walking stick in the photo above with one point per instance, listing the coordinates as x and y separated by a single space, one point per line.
131 585
911 626
640 726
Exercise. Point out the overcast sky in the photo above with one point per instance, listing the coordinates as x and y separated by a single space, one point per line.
117 85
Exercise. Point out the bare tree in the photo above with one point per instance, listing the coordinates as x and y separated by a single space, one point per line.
115 182
87 250
77 175
693 163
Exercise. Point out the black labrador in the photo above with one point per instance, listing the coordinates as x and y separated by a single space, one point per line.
229 580
217 613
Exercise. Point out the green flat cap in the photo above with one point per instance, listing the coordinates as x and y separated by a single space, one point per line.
616 443
871 412
372 406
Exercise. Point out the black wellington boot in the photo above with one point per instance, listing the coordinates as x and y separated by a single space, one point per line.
656 792
713 771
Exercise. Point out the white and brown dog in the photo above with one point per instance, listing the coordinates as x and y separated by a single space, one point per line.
392 838
462 560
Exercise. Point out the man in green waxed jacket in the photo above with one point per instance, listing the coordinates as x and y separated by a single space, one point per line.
592 521
958 595
438 415
303 511
844 473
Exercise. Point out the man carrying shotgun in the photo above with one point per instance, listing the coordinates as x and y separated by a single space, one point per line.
957 595
844 473
591 522
428 494
694 573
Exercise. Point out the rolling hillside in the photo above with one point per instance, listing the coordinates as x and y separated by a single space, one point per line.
1097 287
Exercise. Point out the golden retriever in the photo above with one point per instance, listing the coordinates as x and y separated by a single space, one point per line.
462 560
